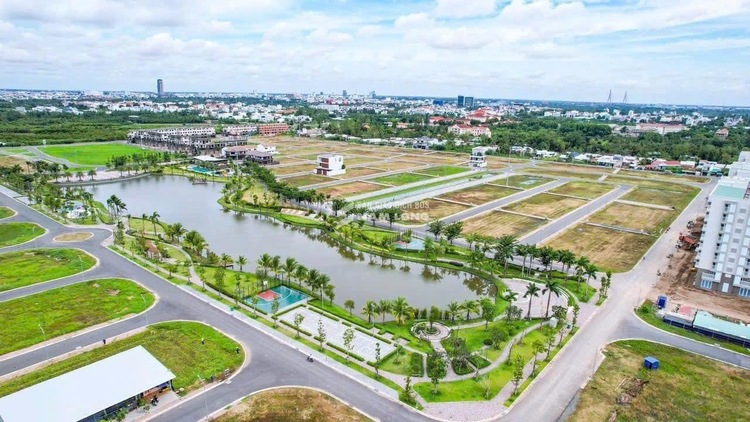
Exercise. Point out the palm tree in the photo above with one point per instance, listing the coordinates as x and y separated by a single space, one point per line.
323 282
349 304
550 287
144 219
154 218
471 307
523 250
400 309
532 291
275 266
178 231
264 263
370 309
384 307
566 258
300 274
290 265
312 279
547 256
590 271
226 259
241 260
453 309
511 297
506 245
92 174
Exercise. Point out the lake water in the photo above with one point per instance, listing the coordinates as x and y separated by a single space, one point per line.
354 274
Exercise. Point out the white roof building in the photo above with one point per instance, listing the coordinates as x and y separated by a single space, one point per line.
87 391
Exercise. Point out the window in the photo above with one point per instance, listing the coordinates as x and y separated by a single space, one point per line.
744 292
706 284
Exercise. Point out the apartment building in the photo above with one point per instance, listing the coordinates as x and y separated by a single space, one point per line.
273 129
723 263
471 130
240 130
330 165
163 134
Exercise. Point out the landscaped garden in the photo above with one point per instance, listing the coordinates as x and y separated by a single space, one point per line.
23 268
33 319
18 232
189 349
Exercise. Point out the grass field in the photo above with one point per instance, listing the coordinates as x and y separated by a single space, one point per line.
546 205
443 170
10 161
139 224
422 212
297 168
401 179
588 190
91 155
291 404
349 189
18 232
668 195
308 179
608 249
633 217
563 173
6 212
177 345
68 309
480 194
498 223
687 387
671 177
23 268
523 181
74 237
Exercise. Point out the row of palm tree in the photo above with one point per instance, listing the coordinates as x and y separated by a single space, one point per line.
291 270
398 308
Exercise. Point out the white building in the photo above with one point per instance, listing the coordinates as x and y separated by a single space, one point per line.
479 157
722 261
471 130
330 165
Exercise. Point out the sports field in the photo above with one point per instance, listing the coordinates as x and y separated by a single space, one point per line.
546 205
499 223
91 154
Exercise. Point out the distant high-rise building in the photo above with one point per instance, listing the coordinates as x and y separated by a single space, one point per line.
460 101
468 102
159 88
372 94
344 94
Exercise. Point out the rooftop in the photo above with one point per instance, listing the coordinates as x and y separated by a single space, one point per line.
731 188
705 320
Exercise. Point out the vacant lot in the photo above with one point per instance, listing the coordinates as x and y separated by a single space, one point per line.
401 179
546 205
68 309
633 217
499 223
177 345
10 161
359 172
608 249
291 404
309 179
297 168
687 387
665 176
6 212
91 155
478 195
443 170
589 190
422 212
563 173
18 232
18 269
395 165
523 181
74 237
678 196
349 189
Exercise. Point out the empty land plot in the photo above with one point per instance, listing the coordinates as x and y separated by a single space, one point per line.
297 168
608 249
395 165
499 223
91 155
351 161
438 159
367 152
443 170
589 190
349 189
478 195
359 172
633 217
546 205
524 181
678 196
422 212
402 179
12 160
563 173
22 268
309 179
670 177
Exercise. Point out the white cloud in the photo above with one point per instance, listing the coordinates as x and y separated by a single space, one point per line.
458 9
325 37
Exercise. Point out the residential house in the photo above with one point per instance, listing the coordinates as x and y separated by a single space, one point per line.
330 165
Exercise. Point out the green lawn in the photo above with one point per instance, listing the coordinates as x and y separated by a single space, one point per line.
402 179
18 232
92 155
177 345
403 367
687 387
443 170
249 283
138 224
404 332
6 212
399 192
475 336
22 268
68 309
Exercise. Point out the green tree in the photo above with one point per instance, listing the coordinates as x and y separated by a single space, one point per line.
275 310
349 304
488 311
510 296
551 287
241 261
377 360
370 310
321 333
436 228
298 318
532 291
436 369
453 230
434 315
348 342
384 307
518 365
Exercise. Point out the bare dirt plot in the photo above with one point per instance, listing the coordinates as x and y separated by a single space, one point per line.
367 152
546 205
499 223
353 160
349 189
12 160
478 195
74 237
588 190
308 179
359 172
441 159
297 168
633 217
395 165
423 212
665 176
670 198
562 173
578 168
608 249
523 181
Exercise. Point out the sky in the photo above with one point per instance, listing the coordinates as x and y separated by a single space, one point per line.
658 51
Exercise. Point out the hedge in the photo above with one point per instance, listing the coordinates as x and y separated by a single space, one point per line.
479 361
341 349
461 368
294 327
321 312
417 365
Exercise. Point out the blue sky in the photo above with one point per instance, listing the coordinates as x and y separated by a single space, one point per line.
666 51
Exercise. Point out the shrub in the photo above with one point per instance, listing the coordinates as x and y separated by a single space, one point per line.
479 361
416 363
488 342
342 350
461 367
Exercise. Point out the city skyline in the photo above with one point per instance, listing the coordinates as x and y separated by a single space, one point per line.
541 50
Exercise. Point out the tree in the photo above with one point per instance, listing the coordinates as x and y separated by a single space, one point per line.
551 287
337 205
254 300
550 343
300 273
154 218
400 309
226 259
537 347
241 261
329 291
321 333
488 311
92 174
298 318
384 307
453 309
436 228
436 369
510 296
349 304
264 264
289 267
434 315
275 310
532 291
377 360
518 365
504 249
567 259
471 307
576 311
590 271
453 230
370 309
348 339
